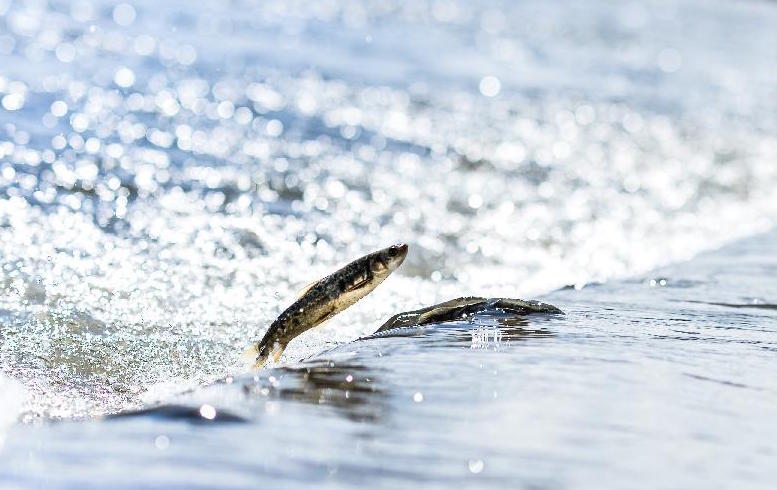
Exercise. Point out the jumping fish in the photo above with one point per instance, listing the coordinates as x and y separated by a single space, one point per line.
325 298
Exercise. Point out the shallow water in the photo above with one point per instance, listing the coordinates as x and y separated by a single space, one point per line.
170 176
661 381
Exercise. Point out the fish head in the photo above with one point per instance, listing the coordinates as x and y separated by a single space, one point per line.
384 262
362 277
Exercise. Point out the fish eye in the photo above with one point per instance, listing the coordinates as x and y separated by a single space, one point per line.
393 251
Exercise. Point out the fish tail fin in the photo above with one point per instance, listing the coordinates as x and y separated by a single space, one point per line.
258 357
250 355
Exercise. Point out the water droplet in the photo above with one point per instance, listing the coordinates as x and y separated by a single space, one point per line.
208 412
65 52
225 109
490 86
58 108
124 14
162 442
13 102
475 201
274 128
475 465
124 77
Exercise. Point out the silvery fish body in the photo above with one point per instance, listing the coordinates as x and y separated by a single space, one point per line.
458 308
326 298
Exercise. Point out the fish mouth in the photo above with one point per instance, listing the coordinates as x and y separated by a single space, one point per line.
396 255
401 249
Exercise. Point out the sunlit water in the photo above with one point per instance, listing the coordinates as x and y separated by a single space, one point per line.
662 381
170 175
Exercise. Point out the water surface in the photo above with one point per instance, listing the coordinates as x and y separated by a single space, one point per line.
171 175
656 382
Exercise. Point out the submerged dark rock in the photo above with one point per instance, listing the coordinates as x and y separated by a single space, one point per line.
203 414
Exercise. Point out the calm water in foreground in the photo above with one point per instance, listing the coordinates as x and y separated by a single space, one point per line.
171 175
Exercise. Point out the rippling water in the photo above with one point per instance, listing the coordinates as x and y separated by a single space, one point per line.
662 381
171 175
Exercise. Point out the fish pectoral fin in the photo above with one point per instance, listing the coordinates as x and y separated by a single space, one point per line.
360 284
323 319
277 351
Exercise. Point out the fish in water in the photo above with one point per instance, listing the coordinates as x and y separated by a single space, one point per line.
458 308
325 298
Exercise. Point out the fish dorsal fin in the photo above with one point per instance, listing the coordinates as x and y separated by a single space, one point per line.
302 292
